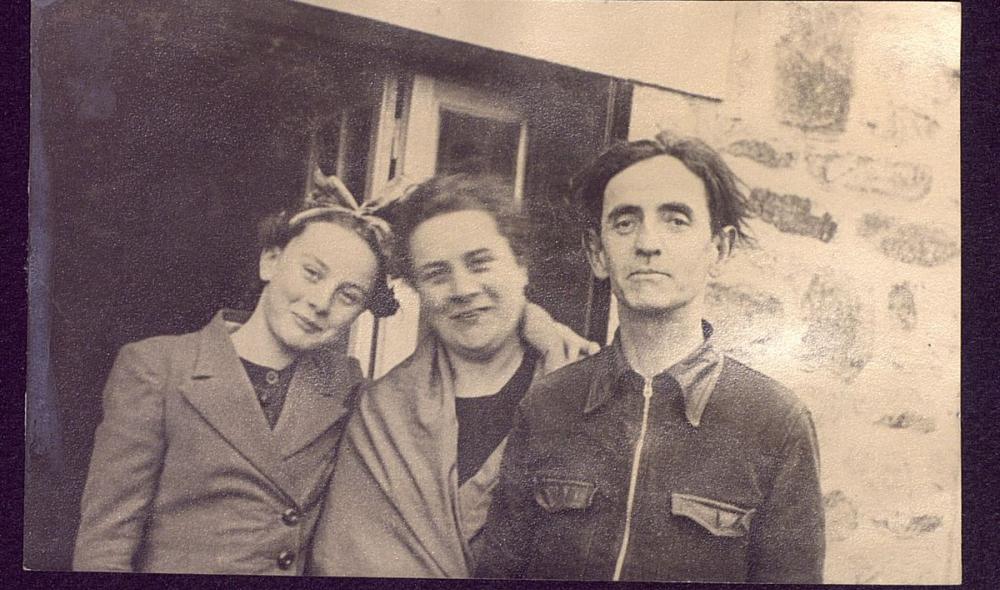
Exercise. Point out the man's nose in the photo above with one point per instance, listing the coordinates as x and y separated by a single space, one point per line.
646 244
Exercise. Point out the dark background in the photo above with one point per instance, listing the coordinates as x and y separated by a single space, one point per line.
162 131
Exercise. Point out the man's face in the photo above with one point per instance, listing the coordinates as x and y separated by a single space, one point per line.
656 241
316 285
470 284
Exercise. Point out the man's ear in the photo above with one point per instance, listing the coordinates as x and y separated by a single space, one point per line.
723 242
595 254
268 263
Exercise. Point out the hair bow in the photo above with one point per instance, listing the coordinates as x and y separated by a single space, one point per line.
329 193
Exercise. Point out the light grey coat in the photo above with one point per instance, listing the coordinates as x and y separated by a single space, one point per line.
186 475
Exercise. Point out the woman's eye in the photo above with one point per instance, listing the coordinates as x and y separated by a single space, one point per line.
349 297
311 273
480 265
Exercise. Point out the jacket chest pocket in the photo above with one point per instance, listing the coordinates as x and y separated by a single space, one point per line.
555 494
718 518
567 521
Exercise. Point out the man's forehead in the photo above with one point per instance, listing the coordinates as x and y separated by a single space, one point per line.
660 177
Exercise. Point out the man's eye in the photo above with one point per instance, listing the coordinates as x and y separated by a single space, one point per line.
678 220
624 225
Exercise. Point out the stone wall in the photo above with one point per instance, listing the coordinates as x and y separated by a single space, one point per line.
842 120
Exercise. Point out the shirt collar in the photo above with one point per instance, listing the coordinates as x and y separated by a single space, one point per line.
696 374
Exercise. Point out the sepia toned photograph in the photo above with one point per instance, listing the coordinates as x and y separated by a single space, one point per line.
512 290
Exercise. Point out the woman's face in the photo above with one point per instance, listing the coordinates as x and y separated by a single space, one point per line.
470 283
316 285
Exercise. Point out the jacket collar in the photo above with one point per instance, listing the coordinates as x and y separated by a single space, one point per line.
320 393
696 375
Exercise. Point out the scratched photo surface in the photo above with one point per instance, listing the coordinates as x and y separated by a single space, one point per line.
162 132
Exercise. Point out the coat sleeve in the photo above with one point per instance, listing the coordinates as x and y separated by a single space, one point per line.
506 540
125 465
787 540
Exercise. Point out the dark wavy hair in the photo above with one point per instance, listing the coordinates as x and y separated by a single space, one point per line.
274 231
727 204
451 193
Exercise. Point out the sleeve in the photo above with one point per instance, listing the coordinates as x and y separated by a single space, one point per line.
124 467
558 344
787 540
507 537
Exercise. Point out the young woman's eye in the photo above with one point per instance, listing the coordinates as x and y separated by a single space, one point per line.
349 297
311 273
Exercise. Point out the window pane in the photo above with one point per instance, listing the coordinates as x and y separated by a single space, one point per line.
478 145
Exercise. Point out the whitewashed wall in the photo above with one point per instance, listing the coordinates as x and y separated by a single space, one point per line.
843 120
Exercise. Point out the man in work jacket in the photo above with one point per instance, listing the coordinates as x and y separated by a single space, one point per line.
659 458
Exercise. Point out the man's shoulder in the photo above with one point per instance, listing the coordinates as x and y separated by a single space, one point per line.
754 395
565 389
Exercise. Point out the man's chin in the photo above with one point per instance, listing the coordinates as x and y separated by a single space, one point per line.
646 307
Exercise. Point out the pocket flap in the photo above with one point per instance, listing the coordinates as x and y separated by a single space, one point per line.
720 518
557 494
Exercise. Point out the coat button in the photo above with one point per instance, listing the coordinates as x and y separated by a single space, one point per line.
290 517
285 559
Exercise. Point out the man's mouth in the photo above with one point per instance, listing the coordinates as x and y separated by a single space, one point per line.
647 273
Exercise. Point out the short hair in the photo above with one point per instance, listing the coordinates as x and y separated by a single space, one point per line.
727 204
275 231
452 193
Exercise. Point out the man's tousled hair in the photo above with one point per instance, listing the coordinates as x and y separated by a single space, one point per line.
727 204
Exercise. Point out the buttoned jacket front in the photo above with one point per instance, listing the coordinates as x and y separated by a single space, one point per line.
187 476
726 486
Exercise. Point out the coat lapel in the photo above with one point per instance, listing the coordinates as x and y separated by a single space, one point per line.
220 391
321 393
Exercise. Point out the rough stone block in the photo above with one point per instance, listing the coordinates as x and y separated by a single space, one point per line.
901 180
874 223
905 527
911 243
841 515
792 214
815 67
919 244
742 302
908 420
905 124
902 305
834 335
761 152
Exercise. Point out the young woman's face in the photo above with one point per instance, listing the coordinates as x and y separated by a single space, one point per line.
316 285
471 286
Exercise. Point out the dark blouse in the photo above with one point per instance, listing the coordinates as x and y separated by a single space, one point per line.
483 422
271 387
